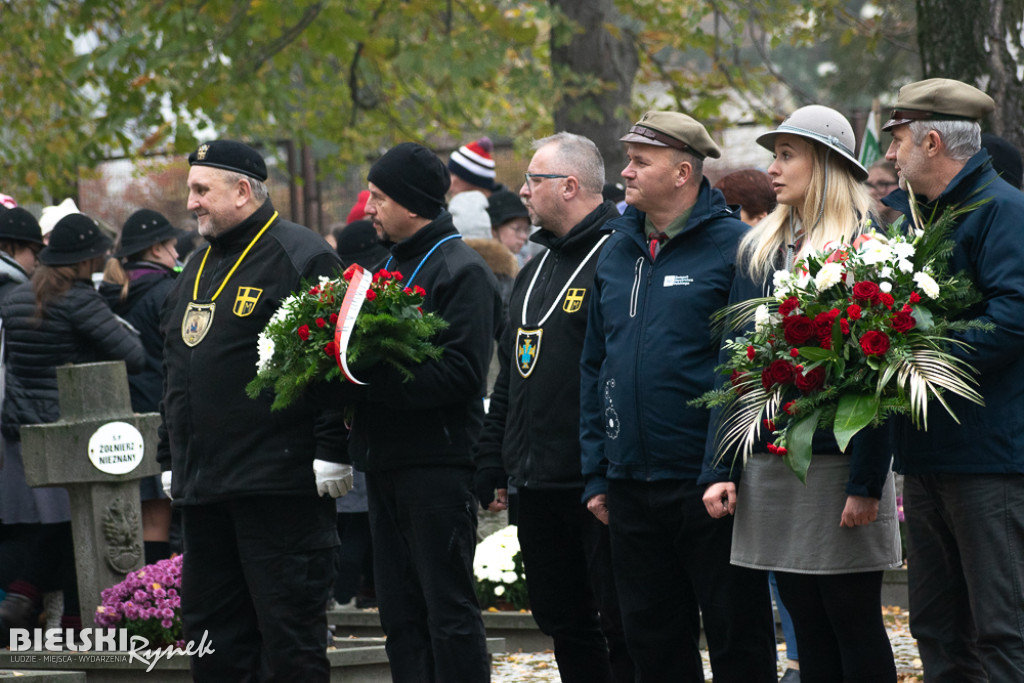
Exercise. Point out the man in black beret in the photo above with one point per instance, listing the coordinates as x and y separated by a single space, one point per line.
21 240
413 438
964 478
259 536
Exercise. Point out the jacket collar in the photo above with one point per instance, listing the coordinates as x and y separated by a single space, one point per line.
710 205
425 238
242 234
977 171
582 234
11 270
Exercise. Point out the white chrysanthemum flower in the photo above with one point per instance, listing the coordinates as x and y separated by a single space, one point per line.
323 280
885 272
493 560
885 287
265 347
927 284
509 577
829 276
875 252
905 266
903 250
803 279
499 590
762 318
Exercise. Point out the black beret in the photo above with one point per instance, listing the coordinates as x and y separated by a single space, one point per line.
19 225
230 156
414 177
74 239
143 229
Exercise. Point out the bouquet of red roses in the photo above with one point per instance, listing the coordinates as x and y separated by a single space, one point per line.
853 334
302 342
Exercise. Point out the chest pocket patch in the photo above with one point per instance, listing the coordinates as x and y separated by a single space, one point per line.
574 300
245 301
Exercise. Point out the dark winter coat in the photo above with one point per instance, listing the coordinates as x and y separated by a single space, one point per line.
77 327
990 250
649 348
219 443
147 290
532 426
434 418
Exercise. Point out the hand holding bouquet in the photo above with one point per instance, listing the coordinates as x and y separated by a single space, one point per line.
303 343
853 334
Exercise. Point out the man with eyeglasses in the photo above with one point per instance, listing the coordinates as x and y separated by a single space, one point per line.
649 350
531 433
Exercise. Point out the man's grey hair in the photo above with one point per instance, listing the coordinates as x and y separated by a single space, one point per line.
577 156
961 138
259 189
696 163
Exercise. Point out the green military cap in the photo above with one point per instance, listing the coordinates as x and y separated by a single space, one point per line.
672 129
939 99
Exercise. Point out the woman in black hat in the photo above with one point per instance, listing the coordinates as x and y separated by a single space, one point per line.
55 319
21 239
135 283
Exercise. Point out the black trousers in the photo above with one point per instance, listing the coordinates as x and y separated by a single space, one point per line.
671 563
838 623
423 524
567 555
256 577
965 561
355 564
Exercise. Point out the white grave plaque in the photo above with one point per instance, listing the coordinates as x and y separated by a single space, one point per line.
116 448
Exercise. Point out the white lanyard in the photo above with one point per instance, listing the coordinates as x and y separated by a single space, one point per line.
554 304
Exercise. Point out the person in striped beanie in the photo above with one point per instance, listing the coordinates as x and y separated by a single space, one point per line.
472 171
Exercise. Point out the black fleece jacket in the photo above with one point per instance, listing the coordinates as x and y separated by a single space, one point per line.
532 426
219 443
434 418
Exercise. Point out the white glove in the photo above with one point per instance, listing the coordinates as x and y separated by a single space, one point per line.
165 482
332 478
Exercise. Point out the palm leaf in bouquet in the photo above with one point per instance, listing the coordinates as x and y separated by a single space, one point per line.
854 334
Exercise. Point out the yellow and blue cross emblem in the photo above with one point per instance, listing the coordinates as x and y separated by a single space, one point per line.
574 299
527 350
245 301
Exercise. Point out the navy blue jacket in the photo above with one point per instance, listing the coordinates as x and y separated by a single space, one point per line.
990 249
649 348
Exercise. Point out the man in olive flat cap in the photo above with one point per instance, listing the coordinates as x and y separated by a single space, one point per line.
964 485
648 351
413 439
259 535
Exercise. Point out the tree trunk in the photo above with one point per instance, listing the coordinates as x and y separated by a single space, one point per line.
975 42
593 54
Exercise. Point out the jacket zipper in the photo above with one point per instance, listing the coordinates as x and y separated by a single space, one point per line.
528 463
637 393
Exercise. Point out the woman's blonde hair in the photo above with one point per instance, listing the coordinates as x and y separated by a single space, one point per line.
835 209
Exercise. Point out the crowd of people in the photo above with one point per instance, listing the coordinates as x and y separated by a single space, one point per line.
582 311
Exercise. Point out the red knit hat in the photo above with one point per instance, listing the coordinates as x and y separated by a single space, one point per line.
358 211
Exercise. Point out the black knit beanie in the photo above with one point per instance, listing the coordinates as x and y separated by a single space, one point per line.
414 177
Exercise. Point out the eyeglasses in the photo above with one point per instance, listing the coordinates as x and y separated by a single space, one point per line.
542 176
882 184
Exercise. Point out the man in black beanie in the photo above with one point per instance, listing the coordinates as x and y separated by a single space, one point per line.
413 439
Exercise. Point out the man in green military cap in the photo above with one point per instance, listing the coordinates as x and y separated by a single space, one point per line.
648 351
964 483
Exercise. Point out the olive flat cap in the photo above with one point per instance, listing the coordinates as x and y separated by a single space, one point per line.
939 99
230 156
672 129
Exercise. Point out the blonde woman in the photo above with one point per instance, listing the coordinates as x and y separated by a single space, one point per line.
828 542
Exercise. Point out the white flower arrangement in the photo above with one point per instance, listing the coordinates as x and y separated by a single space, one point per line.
499 571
